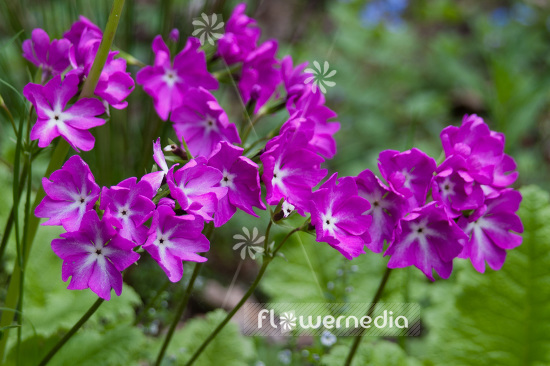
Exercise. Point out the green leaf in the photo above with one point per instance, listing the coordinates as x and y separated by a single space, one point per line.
370 354
316 272
114 347
229 347
50 307
503 317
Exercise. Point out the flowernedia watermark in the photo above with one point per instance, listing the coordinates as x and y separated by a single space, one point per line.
341 319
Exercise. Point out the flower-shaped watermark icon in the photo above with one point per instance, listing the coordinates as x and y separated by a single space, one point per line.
208 28
287 321
249 243
320 76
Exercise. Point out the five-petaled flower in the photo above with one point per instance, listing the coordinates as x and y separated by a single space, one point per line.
428 240
173 239
70 192
94 256
127 206
52 57
339 216
167 82
56 118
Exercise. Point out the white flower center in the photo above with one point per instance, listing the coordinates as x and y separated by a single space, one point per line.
278 175
228 180
170 77
446 187
57 117
124 213
210 125
408 178
329 222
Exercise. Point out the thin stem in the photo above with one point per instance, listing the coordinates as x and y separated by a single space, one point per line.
267 260
27 216
179 313
17 191
103 52
266 236
9 222
232 284
376 298
10 117
261 113
230 314
57 159
71 332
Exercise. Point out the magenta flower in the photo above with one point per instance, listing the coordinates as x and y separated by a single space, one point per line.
173 239
196 188
319 136
428 240
290 169
339 216
115 84
240 38
241 177
94 256
482 149
167 82
127 206
70 192
56 119
490 229
203 123
386 208
85 45
155 179
294 79
504 173
311 106
52 57
408 173
455 188
260 75
74 34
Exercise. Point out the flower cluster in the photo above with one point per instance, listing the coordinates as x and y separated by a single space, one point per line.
138 213
426 213
430 214
96 250
65 64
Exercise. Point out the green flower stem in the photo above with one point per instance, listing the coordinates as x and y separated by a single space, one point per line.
9 223
103 51
376 298
71 332
57 159
267 260
264 111
179 313
28 215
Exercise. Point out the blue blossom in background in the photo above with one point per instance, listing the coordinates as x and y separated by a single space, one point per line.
386 12
500 16
524 14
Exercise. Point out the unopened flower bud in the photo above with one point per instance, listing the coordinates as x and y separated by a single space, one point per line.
174 35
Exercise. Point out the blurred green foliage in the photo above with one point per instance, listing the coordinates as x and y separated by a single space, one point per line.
395 88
